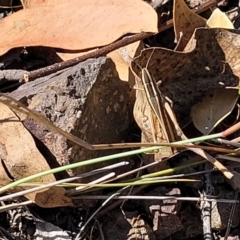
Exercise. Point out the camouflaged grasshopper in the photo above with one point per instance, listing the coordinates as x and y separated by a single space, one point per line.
160 121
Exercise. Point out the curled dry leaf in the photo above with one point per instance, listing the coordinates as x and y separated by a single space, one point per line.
186 77
76 25
19 156
185 22
213 108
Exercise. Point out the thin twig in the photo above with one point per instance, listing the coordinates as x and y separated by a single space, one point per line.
226 157
29 76
231 215
140 197
100 229
94 214
131 189
76 190
206 206
227 142
14 205
124 175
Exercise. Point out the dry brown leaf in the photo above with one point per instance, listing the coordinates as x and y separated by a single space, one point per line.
219 19
122 66
50 197
216 106
185 22
18 151
186 77
76 25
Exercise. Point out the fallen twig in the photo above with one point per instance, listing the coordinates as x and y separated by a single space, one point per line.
29 76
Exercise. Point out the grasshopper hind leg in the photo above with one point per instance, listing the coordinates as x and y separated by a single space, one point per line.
150 135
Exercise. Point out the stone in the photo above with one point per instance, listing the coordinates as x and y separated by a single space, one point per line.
87 100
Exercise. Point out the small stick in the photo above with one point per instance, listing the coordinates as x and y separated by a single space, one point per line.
206 206
29 76
140 197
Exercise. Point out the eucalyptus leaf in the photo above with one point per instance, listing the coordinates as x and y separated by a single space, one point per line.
213 108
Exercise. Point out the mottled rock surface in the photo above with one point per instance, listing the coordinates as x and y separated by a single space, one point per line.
87 100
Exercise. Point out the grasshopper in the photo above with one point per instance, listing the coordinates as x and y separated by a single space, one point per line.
156 114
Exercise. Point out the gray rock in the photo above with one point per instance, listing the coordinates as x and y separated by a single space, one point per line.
87 100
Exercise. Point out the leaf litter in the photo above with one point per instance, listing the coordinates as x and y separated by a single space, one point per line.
187 76
204 62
